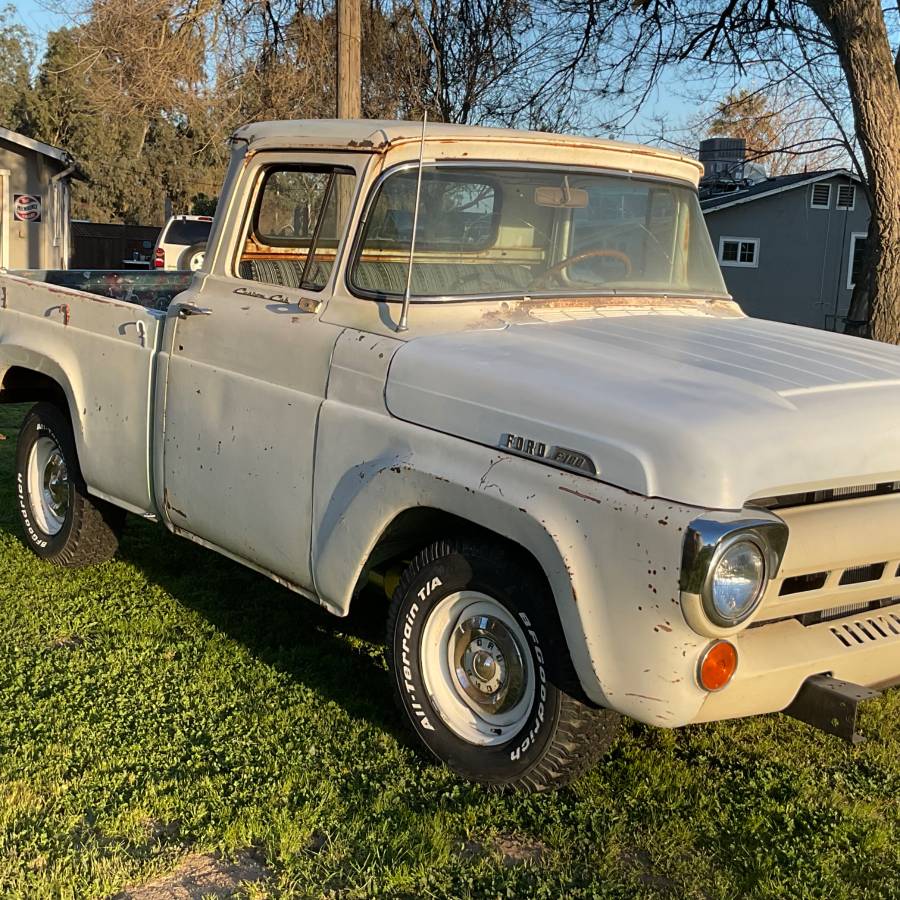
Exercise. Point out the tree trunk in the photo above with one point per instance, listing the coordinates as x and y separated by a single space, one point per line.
860 35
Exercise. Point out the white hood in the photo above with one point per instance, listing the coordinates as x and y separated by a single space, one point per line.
705 411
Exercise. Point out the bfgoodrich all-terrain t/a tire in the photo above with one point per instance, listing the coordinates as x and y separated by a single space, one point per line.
480 667
62 523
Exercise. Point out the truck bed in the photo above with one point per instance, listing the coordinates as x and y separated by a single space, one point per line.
96 335
151 289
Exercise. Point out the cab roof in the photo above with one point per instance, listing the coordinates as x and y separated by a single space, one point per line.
467 141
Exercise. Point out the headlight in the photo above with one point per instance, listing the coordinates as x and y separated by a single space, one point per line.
736 582
728 560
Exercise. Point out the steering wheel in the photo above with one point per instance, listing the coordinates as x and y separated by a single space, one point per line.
562 265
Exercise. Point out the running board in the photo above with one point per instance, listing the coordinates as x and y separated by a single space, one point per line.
831 705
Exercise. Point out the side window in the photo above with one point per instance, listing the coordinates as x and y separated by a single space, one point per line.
296 225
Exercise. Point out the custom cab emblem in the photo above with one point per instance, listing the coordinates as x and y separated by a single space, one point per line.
561 457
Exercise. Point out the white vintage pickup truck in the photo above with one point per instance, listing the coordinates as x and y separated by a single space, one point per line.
499 373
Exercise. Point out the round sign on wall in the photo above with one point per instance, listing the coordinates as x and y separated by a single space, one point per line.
27 208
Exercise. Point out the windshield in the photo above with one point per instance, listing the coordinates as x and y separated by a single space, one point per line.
527 231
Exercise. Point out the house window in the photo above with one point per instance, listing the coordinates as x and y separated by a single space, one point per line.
846 196
855 260
738 251
821 196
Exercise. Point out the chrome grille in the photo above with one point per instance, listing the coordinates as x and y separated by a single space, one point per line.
834 613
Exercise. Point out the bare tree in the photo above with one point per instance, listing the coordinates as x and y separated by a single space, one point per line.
783 129
858 32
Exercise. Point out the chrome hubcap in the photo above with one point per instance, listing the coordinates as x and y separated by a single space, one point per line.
477 668
48 485
488 664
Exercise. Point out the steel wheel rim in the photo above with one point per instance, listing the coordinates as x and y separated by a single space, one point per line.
477 668
195 263
48 485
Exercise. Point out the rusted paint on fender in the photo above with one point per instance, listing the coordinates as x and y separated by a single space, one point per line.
614 578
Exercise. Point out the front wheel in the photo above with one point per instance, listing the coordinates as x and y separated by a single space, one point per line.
482 671
62 523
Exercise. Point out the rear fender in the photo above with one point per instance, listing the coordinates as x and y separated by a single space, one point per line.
23 357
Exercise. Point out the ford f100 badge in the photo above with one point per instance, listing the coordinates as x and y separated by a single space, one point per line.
561 457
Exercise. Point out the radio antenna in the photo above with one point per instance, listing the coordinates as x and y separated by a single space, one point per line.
402 325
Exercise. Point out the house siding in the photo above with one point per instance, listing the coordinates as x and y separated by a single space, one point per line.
803 255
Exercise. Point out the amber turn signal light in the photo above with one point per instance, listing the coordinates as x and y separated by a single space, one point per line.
717 665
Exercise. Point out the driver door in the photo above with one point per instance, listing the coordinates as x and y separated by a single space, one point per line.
247 372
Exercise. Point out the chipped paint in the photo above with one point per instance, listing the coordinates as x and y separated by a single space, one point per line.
583 496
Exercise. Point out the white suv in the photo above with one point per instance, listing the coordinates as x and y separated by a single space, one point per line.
182 243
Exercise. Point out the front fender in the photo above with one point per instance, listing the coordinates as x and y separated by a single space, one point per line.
611 558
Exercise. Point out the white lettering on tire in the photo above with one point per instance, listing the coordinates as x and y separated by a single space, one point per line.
416 707
516 754
30 529
34 534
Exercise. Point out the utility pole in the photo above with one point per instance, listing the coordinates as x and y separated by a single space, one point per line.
349 77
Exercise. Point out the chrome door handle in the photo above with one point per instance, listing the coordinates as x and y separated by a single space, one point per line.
186 309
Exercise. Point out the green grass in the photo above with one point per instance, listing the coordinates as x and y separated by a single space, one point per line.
172 702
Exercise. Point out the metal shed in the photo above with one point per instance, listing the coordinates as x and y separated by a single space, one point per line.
34 203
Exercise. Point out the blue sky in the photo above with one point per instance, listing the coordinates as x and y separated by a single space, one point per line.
38 17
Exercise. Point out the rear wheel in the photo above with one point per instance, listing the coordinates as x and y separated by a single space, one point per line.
62 523
482 671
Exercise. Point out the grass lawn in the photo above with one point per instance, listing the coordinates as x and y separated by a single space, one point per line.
171 702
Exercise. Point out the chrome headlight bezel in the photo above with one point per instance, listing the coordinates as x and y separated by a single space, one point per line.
706 541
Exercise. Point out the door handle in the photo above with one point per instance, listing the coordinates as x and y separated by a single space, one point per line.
186 309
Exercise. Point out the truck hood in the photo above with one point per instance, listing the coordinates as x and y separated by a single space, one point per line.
702 410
